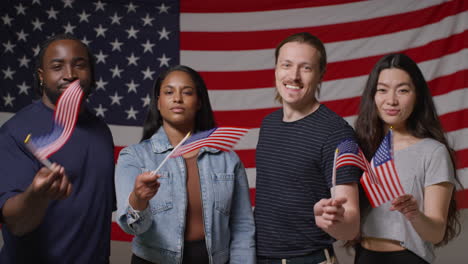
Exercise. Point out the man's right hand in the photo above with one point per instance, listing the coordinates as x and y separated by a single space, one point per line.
24 212
51 183
146 187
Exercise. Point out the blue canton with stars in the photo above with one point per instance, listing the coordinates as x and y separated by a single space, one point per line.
384 152
133 41
348 146
199 135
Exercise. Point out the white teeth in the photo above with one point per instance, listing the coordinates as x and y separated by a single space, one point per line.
292 87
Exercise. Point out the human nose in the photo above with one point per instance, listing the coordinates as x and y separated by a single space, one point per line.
69 73
294 73
392 98
177 97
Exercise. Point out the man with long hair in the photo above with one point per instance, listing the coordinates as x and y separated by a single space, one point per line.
296 218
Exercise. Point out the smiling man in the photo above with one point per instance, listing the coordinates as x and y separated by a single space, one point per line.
62 214
296 219
60 64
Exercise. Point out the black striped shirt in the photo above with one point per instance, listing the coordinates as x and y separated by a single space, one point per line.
294 163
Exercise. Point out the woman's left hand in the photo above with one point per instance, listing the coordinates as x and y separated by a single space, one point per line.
407 205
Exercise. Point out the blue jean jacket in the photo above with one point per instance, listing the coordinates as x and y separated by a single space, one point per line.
159 229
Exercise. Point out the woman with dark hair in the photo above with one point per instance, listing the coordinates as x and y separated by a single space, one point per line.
197 208
406 229
204 118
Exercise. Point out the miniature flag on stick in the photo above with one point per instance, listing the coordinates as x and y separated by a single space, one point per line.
349 153
222 138
65 117
384 167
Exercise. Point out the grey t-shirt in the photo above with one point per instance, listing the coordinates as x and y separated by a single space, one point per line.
422 164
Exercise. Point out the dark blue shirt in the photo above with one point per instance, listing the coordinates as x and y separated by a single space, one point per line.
294 162
76 229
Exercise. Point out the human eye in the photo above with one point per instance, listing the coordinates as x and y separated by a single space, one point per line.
56 66
81 65
167 91
381 89
404 90
285 65
188 92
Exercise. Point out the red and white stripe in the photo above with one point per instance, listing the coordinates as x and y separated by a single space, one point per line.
353 160
389 187
66 115
358 160
223 138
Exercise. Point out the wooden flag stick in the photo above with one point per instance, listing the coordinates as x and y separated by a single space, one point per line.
167 157
334 175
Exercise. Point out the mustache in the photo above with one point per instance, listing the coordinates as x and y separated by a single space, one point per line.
293 82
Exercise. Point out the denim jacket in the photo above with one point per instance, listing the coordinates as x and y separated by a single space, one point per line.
159 229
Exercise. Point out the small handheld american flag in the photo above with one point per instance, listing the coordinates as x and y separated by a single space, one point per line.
349 153
65 117
384 167
222 138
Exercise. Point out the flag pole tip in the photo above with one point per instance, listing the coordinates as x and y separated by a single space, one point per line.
26 140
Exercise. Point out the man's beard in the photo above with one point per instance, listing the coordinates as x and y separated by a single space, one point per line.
52 95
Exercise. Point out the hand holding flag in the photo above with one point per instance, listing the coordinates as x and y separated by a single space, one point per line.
51 183
406 205
329 212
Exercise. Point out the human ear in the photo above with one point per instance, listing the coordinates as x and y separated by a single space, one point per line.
41 79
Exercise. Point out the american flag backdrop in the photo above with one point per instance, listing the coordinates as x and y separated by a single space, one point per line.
232 44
